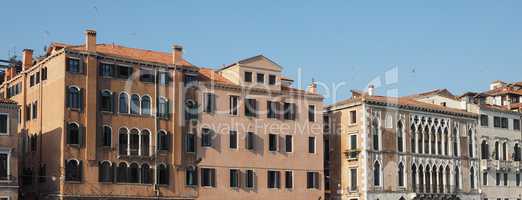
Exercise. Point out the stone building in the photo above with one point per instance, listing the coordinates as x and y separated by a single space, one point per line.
400 148
10 154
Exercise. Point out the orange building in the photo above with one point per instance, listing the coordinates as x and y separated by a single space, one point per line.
10 154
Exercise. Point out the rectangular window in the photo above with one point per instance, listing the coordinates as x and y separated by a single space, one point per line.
311 113
234 105
353 146
312 180
260 78
73 65
496 122
485 178
164 78
4 124
191 177
206 138
4 166
516 124
37 78
233 140
353 179
250 141
517 179
35 110
251 108
311 144
208 177
273 179
250 179
234 178
271 79
248 77
27 112
210 103
288 143
124 72
272 109
504 122
272 142
505 179
44 73
191 143
498 179
353 117
147 76
31 81
289 179
484 120
106 70
290 111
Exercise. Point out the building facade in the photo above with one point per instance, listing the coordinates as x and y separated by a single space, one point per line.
400 148
9 150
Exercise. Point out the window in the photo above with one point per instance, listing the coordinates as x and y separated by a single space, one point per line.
73 170
401 175
288 143
106 70
124 72
471 146
164 78
505 179
311 113
74 98
250 179
400 138
73 65
484 120
163 141
191 177
35 110
496 151
123 139
4 165
206 138
4 124
353 146
311 144
504 151
191 143
484 146
135 104
516 152
497 179
208 177
472 178
122 173
106 136
106 101
44 73
210 103
145 105
289 179
134 173
234 178
260 78
73 134
516 124
134 142
504 122
147 76
145 143
289 111
375 135
233 140
124 103
250 108
163 108
376 174
485 178
353 117
31 81
34 142
163 174
517 179
234 103
146 174
248 77
496 122
353 179
272 142
273 179
312 180
272 109
250 141
105 172
271 79
37 78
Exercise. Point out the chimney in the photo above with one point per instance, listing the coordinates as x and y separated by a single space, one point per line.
312 88
177 53
371 90
27 59
90 40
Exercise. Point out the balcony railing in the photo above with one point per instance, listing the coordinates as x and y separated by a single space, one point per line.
428 189
352 154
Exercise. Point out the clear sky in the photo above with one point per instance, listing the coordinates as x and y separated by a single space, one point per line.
459 45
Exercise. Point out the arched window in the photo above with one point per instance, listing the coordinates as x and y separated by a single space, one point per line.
124 103
414 178
163 174
163 141
73 134
420 141
134 173
375 134
516 152
504 151
73 170
484 147
122 176
106 101
426 140
135 104
441 179
455 142
145 142
376 174
146 174
434 179
400 137
448 178
106 136
472 178
427 179
105 172
439 141
446 142
433 142
123 140
470 144
457 178
74 98
413 138
134 142
163 107
401 175
145 105
421 179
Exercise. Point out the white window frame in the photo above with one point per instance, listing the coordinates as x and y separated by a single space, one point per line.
253 179
7 125
293 180
8 152
237 139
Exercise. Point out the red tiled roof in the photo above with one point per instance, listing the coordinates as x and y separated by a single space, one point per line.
442 92
408 101
206 74
132 53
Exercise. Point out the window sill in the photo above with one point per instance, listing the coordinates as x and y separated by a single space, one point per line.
74 109
73 182
74 145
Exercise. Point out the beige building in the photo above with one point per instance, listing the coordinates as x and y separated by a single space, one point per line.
10 154
400 148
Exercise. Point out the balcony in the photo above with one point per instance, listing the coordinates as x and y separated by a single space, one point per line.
352 155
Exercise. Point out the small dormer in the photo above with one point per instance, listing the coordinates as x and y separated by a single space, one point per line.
257 71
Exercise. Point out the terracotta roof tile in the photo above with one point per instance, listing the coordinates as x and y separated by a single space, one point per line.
442 92
410 102
206 74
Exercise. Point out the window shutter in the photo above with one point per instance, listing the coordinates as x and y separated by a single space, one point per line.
100 169
99 136
80 171
114 99
213 177
67 102
213 100
81 136
82 91
65 169
67 134
67 65
255 179
317 181
113 172
167 169
167 141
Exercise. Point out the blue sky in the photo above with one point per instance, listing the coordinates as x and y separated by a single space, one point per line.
460 45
